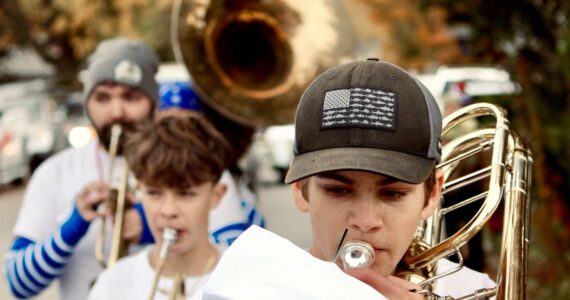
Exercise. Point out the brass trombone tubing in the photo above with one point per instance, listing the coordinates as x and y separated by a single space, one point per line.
512 275
467 179
482 147
115 252
446 210
492 200
177 287
509 181
447 272
118 244
113 147
168 238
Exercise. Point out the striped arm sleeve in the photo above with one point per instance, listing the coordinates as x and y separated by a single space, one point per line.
31 266
146 237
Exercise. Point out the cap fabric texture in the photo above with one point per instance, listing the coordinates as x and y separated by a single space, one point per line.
367 116
124 61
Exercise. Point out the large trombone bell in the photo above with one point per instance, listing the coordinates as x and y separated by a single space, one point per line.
251 60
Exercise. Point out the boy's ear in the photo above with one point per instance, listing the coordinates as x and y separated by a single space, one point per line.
218 193
300 201
434 197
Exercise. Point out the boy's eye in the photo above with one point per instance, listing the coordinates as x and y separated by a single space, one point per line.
391 194
337 190
153 192
188 193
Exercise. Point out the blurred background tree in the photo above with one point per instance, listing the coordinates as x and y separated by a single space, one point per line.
531 40
64 32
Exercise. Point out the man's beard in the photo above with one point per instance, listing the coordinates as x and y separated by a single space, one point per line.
104 134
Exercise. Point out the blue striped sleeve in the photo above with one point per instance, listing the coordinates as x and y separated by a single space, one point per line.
31 266
146 237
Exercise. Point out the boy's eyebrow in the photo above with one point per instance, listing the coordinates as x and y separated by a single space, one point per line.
346 180
387 181
336 176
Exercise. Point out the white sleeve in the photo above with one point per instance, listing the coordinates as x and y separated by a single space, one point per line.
38 216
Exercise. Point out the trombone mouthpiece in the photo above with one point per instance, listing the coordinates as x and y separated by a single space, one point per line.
169 234
116 130
168 238
356 254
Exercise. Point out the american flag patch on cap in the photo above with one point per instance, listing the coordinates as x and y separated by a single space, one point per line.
359 107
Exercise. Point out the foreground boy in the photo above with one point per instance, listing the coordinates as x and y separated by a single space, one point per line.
177 161
367 140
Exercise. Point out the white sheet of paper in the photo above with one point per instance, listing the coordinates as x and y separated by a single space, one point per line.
263 265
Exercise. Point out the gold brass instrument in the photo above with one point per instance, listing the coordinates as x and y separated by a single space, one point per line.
168 238
509 176
117 204
509 180
251 60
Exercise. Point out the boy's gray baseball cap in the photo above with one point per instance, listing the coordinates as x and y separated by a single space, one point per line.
367 116
124 61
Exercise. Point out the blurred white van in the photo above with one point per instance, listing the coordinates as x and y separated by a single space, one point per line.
445 83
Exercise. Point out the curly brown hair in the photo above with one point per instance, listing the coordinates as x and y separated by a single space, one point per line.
177 150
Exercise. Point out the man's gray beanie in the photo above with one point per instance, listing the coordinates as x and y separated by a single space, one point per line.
123 61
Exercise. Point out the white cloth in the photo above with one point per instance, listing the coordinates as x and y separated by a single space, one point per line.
462 283
49 199
131 278
262 265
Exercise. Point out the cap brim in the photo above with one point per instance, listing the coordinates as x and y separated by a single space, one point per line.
406 167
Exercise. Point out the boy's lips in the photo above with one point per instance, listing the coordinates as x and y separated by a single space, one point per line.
375 246
379 250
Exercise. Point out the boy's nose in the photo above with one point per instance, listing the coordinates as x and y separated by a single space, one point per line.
168 209
365 216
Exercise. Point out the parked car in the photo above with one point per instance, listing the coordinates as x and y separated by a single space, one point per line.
462 84
13 159
30 128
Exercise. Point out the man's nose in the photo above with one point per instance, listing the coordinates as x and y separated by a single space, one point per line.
366 215
118 111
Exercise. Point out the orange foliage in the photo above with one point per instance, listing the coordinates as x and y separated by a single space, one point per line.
400 26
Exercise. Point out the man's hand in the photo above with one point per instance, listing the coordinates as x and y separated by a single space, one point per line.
390 287
132 223
90 198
